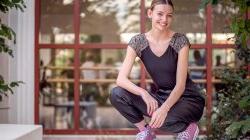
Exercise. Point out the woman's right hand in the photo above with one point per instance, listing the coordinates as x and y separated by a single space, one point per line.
152 104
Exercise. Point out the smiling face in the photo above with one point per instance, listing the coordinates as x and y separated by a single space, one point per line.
162 16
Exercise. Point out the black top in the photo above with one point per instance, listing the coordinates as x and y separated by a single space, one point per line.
163 68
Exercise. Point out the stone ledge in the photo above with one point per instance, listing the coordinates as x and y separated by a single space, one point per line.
20 132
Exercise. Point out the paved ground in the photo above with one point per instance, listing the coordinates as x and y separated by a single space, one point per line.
102 137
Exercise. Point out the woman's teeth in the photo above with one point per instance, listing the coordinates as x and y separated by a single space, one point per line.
163 24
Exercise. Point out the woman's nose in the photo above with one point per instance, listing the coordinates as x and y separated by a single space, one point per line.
164 18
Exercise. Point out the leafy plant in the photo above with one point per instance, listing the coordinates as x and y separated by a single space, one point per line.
7 35
231 119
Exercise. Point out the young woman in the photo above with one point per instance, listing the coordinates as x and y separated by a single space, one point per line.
177 105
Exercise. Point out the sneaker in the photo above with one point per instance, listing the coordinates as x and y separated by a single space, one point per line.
146 134
190 133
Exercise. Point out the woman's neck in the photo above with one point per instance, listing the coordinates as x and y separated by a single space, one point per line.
160 36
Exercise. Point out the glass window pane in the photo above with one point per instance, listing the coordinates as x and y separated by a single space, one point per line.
187 19
197 63
223 57
56 101
99 69
56 22
109 21
222 17
197 66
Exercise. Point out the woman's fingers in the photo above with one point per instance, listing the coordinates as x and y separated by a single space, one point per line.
151 103
161 123
155 105
148 107
153 119
152 108
156 122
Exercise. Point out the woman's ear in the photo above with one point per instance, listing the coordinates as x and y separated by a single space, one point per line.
149 12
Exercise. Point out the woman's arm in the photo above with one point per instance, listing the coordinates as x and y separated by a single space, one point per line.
181 76
124 82
122 79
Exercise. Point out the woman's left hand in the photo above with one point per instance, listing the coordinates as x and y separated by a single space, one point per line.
158 118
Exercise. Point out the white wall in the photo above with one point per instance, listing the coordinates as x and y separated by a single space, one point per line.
21 67
4 71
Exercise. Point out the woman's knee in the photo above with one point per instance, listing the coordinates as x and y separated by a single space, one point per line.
116 94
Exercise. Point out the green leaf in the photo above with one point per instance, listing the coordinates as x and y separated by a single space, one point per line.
14 84
245 102
233 129
11 91
8 32
4 48
246 127
4 88
234 27
214 2
16 1
6 5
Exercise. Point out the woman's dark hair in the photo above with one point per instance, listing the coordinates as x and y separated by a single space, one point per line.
157 2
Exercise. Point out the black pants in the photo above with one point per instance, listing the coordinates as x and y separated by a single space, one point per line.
133 108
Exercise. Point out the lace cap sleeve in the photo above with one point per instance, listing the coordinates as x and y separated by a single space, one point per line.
138 43
180 41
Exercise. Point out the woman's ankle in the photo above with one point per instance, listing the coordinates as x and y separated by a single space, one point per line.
141 125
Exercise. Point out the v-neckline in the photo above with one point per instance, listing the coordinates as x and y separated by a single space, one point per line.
148 45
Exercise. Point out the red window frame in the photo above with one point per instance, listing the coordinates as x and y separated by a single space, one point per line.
76 46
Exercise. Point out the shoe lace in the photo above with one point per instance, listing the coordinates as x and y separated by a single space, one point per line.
142 135
183 135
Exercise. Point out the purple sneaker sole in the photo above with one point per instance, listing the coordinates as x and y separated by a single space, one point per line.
196 133
191 133
146 134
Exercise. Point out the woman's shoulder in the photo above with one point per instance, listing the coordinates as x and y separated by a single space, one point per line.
179 35
138 38
179 41
138 43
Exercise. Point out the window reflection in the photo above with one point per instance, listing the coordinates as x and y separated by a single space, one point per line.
222 17
113 21
110 19
223 57
197 66
56 88
56 22
99 69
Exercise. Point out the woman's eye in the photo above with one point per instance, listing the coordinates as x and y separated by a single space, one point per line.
160 14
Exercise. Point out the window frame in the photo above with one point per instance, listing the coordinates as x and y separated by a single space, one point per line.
208 46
